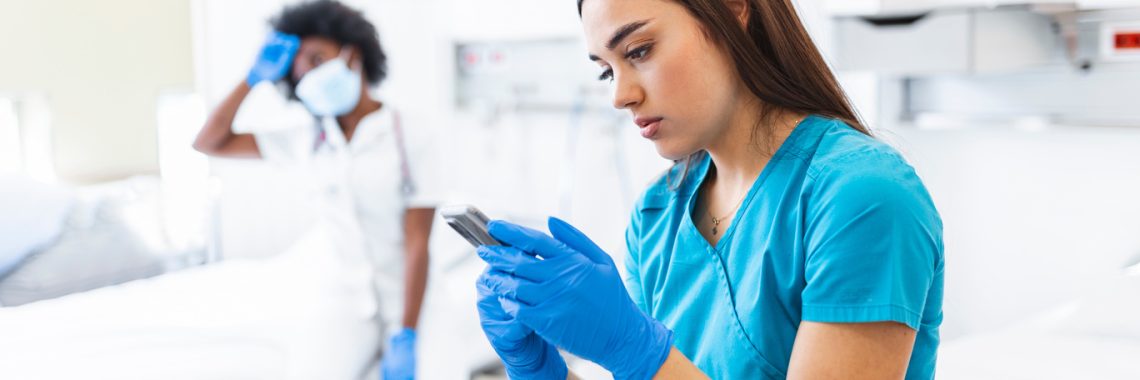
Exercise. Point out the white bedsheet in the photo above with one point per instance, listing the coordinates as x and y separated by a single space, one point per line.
305 314
1040 356
1096 337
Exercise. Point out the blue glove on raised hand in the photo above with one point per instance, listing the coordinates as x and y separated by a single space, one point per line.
275 58
574 298
399 362
525 355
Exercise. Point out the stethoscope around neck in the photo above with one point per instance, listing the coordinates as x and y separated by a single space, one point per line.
407 184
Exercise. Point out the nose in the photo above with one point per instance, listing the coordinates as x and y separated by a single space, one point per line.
627 91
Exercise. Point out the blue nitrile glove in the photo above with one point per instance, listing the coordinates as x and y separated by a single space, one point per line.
574 298
525 354
275 58
399 362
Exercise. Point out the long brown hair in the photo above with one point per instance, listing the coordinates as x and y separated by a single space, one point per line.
776 58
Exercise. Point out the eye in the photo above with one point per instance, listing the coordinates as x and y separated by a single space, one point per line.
639 53
607 75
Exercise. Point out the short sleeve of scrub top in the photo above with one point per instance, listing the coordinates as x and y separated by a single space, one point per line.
837 228
870 253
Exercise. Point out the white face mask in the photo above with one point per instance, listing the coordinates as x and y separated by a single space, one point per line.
331 89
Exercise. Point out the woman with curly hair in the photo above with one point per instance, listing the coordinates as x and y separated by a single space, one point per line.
371 176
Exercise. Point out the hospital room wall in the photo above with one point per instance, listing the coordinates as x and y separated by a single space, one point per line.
99 68
1033 219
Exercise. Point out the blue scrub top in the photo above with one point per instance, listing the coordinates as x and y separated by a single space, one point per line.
837 228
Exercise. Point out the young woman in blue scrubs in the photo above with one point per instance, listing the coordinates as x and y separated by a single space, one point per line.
786 242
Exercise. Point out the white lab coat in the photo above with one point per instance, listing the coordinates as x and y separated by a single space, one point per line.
358 188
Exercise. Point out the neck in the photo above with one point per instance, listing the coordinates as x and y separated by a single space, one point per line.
742 151
365 106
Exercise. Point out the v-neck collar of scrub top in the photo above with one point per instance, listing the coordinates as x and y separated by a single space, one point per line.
372 126
690 225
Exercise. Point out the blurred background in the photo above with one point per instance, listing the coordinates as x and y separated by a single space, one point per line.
1022 117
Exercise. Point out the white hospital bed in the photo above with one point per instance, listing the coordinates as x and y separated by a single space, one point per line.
1097 337
301 315
1040 355
299 312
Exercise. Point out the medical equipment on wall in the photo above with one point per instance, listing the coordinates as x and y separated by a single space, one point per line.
522 74
1051 62
546 78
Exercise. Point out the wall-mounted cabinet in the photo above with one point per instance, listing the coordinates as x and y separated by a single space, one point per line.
894 7
1107 4
954 41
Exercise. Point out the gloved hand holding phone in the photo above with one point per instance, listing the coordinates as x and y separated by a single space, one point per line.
525 354
568 291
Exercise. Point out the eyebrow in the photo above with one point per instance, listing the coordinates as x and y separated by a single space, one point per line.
621 34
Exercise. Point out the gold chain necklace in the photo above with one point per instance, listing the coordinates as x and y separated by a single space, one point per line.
716 221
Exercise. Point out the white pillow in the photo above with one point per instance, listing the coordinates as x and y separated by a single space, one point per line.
31 216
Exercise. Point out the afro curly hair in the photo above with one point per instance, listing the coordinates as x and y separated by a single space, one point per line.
340 23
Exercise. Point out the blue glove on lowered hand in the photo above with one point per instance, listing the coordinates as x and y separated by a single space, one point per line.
275 58
525 355
574 298
399 362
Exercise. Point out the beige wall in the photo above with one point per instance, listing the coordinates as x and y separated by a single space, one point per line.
101 65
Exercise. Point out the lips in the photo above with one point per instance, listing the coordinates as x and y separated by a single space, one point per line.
648 125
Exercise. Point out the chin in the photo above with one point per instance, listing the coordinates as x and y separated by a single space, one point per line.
672 151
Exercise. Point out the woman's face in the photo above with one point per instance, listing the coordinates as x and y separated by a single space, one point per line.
313 52
681 88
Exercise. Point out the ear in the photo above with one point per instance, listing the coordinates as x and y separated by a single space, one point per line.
740 9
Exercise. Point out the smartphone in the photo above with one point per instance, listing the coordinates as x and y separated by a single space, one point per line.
470 223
